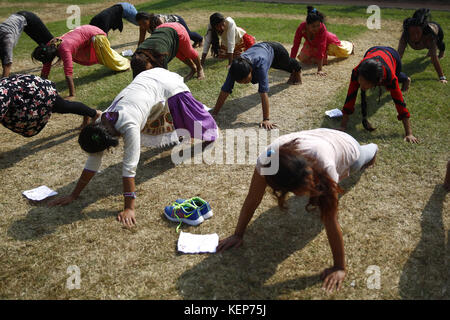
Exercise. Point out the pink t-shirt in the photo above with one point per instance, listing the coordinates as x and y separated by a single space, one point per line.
76 46
334 150
318 45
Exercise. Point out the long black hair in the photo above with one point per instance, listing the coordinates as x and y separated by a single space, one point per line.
45 53
152 19
422 18
372 70
214 20
314 15
300 171
142 57
240 68
96 138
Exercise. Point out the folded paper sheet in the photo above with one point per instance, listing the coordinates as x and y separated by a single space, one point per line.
127 53
335 113
197 243
39 193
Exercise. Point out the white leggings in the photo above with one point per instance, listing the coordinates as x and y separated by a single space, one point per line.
367 152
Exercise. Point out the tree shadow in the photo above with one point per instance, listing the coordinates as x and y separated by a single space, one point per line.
233 107
41 221
9 158
242 273
426 273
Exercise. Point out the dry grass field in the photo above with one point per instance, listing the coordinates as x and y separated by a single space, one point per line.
394 215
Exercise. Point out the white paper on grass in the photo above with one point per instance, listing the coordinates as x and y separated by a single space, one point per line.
334 113
197 243
127 53
39 193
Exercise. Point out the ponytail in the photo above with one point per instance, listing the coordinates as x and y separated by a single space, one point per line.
314 15
142 57
96 138
45 53
420 18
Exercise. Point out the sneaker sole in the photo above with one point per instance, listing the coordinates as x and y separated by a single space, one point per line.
187 221
208 215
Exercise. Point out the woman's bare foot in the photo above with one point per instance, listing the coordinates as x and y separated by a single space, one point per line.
200 75
295 78
405 85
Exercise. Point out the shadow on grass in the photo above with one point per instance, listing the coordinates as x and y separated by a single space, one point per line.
233 107
417 65
426 273
9 158
242 273
270 239
78 81
372 107
41 221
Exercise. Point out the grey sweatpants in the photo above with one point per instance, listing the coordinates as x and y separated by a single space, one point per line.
367 152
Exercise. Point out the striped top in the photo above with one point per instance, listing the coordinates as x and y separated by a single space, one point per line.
390 81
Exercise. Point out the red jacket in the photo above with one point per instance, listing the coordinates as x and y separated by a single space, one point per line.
390 81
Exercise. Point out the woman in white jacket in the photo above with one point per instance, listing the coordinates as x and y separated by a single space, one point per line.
140 103
234 40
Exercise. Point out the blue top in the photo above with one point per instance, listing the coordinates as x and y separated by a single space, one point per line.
261 57
129 12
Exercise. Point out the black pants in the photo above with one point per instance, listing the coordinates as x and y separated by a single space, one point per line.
66 106
35 28
193 35
282 60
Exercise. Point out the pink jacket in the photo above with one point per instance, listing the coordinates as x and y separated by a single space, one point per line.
76 46
320 42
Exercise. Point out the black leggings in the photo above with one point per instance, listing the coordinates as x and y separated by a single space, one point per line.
282 60
35 28
66 106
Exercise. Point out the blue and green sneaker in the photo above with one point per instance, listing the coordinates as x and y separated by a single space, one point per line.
203 206
183 212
